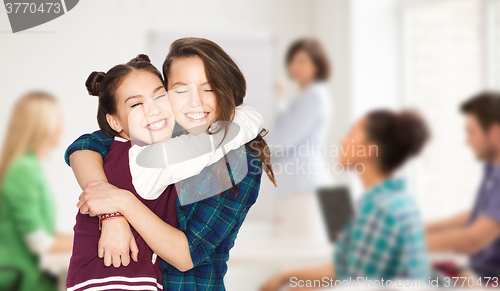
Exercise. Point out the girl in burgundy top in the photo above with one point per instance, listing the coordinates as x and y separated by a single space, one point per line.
133 104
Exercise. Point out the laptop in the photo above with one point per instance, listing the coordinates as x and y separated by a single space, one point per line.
337 208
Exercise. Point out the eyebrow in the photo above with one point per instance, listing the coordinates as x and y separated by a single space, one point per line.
158 89
132 97
184 84
137 96
179 83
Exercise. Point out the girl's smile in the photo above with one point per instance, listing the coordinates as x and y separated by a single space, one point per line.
197 116
157 125
143 112
193 102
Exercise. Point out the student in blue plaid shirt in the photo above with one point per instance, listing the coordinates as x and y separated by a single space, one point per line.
194 255
385 238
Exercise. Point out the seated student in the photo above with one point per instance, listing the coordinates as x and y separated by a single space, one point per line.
27 203
385 238
477 232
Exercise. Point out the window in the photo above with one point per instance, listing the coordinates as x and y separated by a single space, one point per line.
445 46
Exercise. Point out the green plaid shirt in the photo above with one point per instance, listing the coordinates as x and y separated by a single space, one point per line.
211 225
385 239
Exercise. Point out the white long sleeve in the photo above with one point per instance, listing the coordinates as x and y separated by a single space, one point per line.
155 167
39 241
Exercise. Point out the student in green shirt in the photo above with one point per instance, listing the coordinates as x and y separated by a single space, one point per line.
27 207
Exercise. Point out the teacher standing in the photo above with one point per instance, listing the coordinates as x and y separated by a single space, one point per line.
298 138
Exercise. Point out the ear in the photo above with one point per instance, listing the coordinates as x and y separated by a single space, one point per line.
113 122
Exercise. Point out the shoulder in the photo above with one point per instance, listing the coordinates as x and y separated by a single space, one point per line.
246 172
25 165
25 170
253 157
317 89
97 141
122 145
398 207
246 159
119 153
315 95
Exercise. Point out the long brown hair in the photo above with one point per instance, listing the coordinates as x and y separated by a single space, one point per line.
105 85
227 83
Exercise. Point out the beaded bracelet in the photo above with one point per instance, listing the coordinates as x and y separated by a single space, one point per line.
108 216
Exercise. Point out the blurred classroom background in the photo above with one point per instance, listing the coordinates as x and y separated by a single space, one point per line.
426 54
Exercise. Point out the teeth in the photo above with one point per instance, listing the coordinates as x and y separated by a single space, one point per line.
199 115
157 125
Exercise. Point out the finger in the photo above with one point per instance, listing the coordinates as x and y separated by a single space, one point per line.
134 250
84 209
107 259
125 259
100 251
81 204
81 200
81 195
116 261
92 212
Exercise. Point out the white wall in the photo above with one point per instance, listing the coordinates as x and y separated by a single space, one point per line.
95 35
375 54
360 37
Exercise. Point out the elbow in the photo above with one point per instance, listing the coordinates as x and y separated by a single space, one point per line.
182 264
472 244
185 266
471 249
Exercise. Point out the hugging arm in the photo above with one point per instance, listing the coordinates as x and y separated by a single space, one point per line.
209 223
187 155
87 165
116 238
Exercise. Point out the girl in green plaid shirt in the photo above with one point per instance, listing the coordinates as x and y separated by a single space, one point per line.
194 254
385 238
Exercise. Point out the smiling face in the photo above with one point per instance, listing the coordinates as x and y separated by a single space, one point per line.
143 109
193 102
483 142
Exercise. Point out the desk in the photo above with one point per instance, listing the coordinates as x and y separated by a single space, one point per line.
459 259
278 253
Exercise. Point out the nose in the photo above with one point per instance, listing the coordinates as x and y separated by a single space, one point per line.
151 108
194 100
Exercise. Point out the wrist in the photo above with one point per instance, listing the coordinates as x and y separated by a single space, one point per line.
117 219
108 216
126 200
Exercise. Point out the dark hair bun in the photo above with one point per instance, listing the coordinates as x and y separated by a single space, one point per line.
94 81
140 58
412 132
398 136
